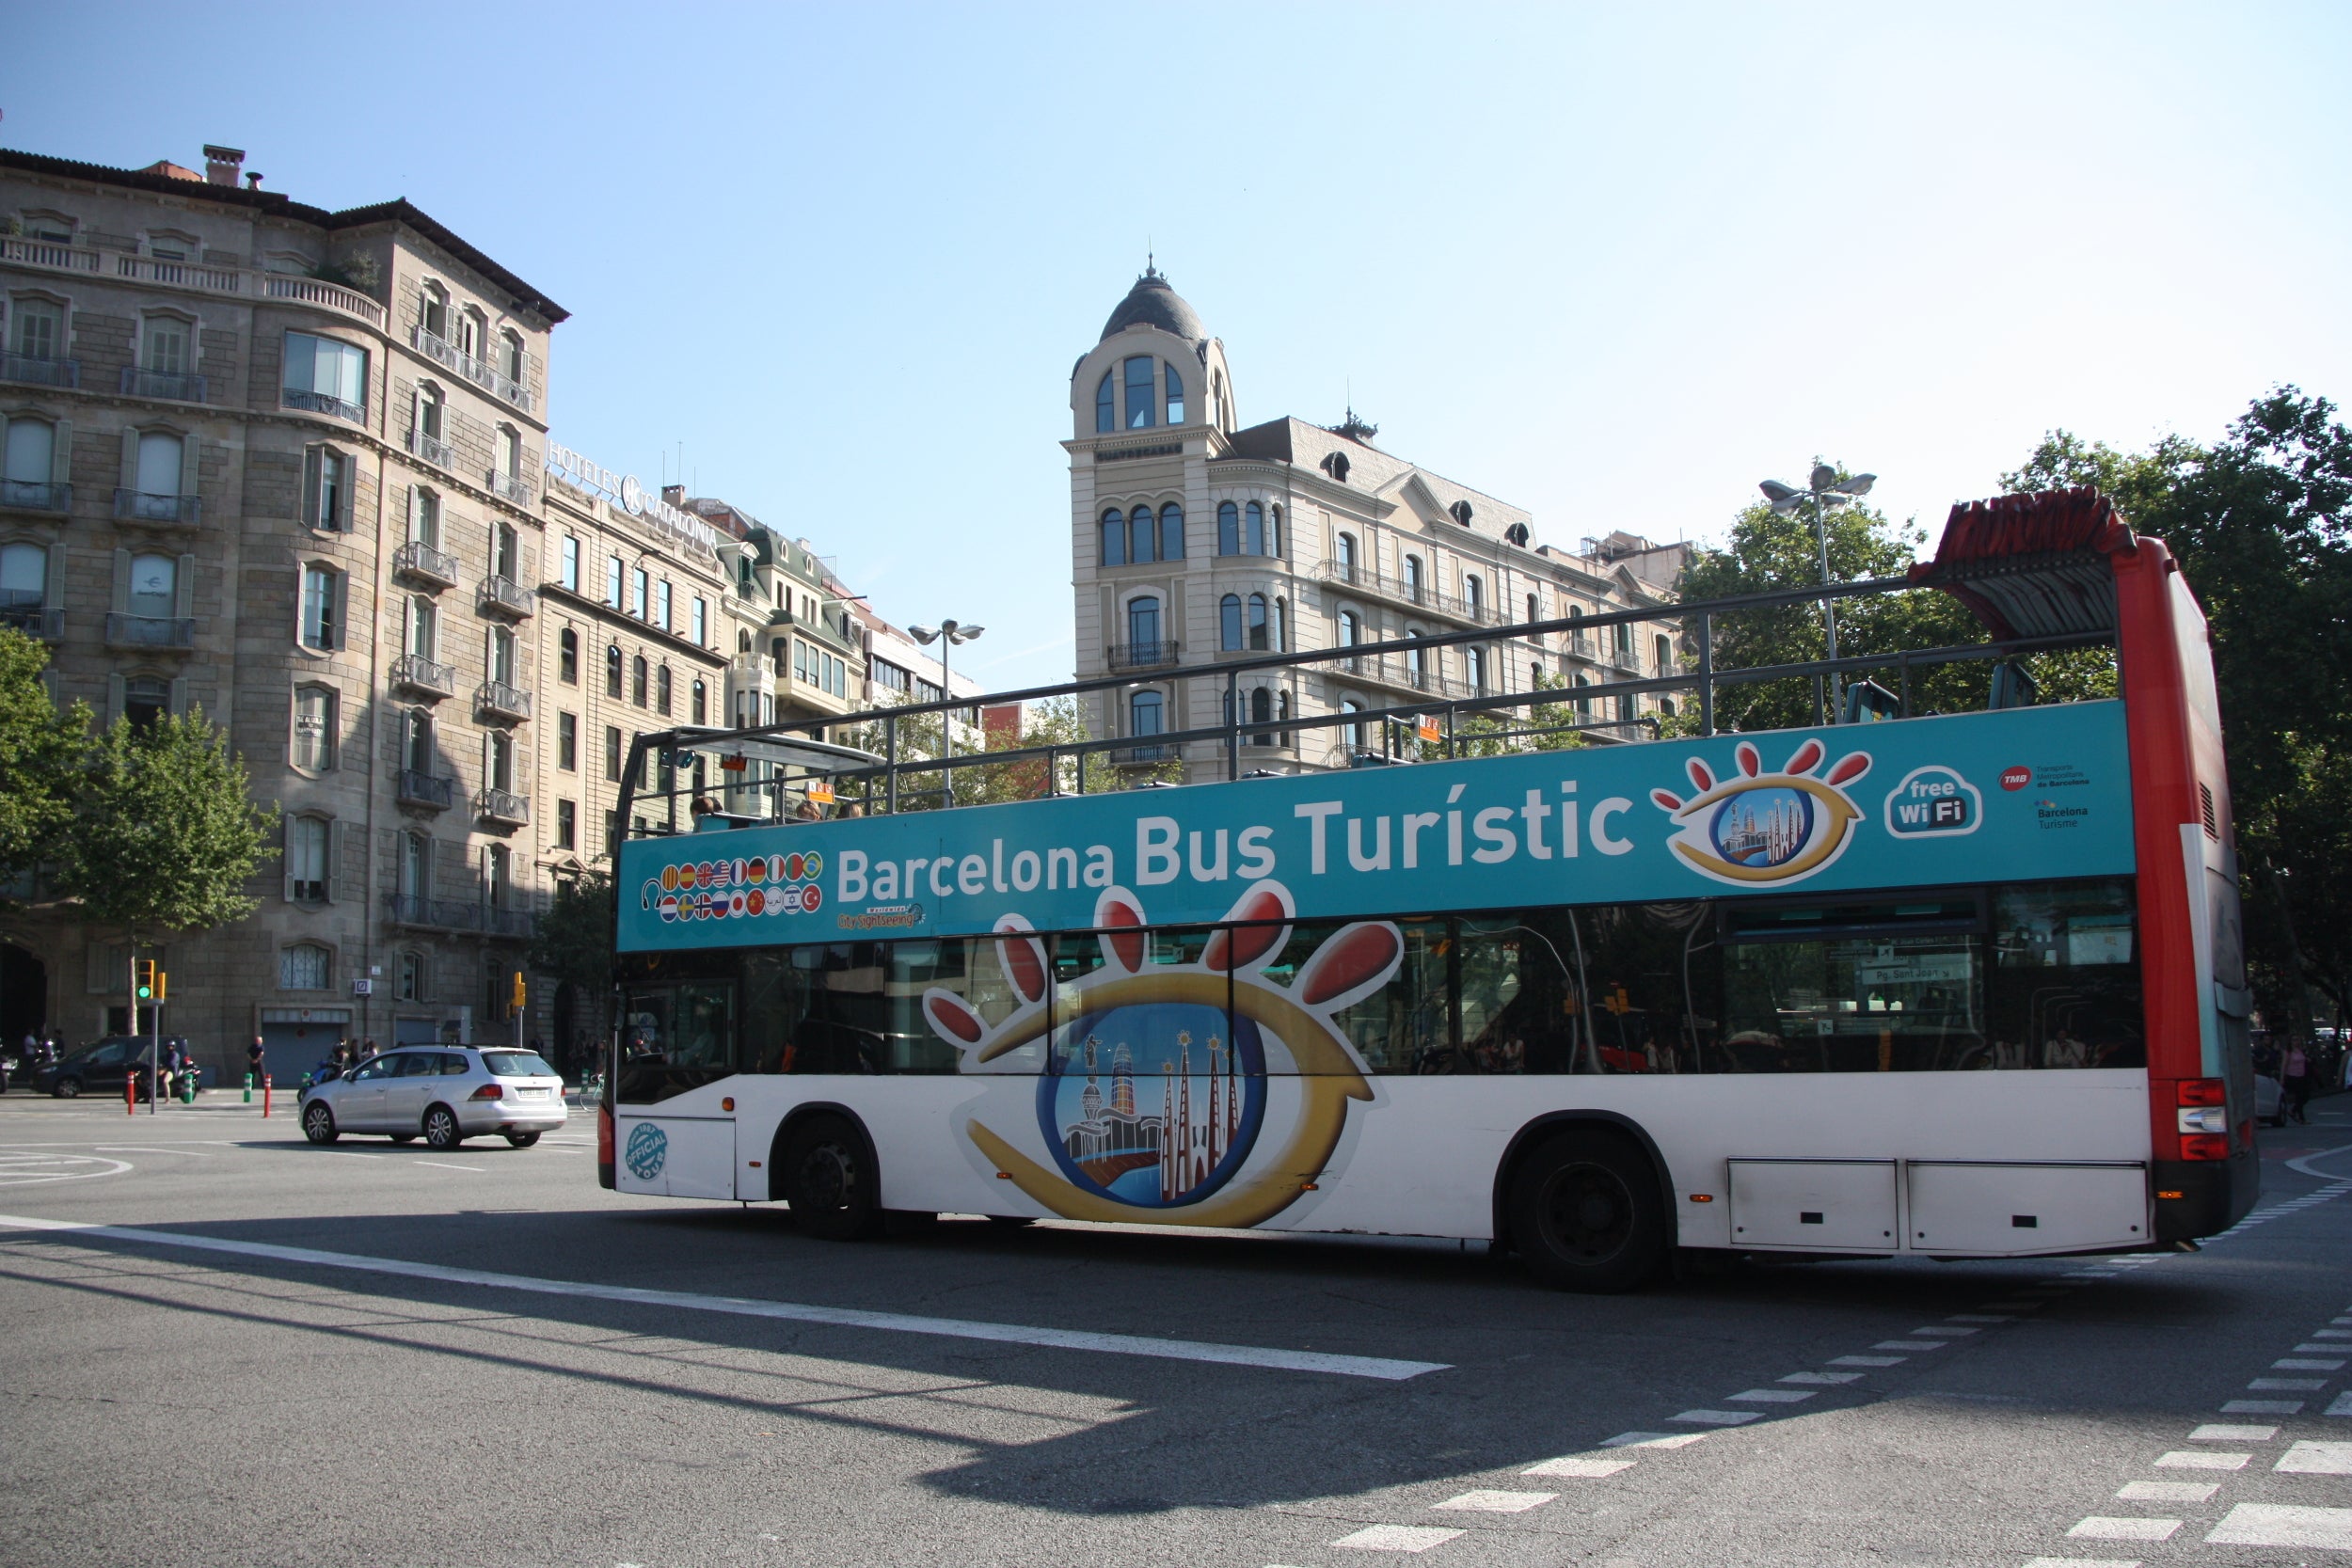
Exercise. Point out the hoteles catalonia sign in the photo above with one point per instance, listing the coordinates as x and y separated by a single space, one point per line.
680 528
1918 803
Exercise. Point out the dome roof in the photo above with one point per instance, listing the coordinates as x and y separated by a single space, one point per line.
1152 302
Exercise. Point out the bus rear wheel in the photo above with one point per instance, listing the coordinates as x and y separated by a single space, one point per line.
1586 1214
829 1182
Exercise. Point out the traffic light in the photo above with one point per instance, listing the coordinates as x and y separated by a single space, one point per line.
515 1006
161 980
143 978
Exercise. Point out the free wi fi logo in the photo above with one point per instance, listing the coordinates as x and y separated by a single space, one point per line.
1755 828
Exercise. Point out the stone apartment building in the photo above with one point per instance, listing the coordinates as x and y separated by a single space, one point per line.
283 465
1197 541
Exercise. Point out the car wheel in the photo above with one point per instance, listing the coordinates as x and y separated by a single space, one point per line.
67 1088
1586 1214
523 1140
829 1181
441 1130
318 1123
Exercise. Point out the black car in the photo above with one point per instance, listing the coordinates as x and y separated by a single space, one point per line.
98 1068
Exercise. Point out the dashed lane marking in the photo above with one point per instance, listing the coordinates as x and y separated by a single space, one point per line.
2082 1563
1578 1467
438 1164
2342 1405
2262 1407
1653 1440
2098 1528
1493 1501
2275 1524
1379 1368
2306 1365
145 1148
1773 1396
1821 1377
1397 1538
2318 1350
2222 1431
1718 1417
2286 1384
2168 1491
2196 1459
2316 1459
1908 1345
1867 1360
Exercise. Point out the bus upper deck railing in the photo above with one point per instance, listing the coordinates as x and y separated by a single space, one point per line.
905 770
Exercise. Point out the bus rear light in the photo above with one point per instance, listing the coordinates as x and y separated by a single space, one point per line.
2209 1118
2205 1145
488 1091
2203 1091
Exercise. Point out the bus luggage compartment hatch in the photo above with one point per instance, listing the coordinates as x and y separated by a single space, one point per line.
2012 1207
1814 1205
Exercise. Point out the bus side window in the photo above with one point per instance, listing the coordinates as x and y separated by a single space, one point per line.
1406 1027
2065 989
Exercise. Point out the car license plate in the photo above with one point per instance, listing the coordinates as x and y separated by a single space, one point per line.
531 1094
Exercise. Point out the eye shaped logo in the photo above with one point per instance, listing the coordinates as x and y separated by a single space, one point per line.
1765 828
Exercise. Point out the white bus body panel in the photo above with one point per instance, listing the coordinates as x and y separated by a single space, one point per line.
695 1156
2005 1209
1819 1205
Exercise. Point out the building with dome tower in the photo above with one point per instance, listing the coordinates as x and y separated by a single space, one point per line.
1197 541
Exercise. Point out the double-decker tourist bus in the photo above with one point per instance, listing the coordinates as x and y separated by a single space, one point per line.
1959 985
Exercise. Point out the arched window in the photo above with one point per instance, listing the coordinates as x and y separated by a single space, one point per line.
662 690
1584 703
567 658
1412 578
1662 648
1359 734
636 680
314 728
1106 411
306 859
31 464
1336 465
612 669
23 577
1143 625
700 712
1261 712
1171 532
1175 389
1142 538
1258 621
1228 528
1347 557
1283 712
1474 597
1416 661
1229 622
159 474
1147 714
1474 667
1666 707
304 966
1280 640
1461 512
1253 530
1217 399
1535 677
1351 629
1274 531
1138 376
1114 538
415 742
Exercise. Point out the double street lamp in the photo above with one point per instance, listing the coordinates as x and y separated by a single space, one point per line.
947 634
1826 491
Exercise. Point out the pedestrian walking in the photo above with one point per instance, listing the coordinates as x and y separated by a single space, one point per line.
256 1061
2295 1080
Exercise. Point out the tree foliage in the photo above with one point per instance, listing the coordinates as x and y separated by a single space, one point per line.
40 756
165 834
572 941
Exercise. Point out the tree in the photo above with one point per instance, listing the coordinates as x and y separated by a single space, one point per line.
164 835
572 941
41 755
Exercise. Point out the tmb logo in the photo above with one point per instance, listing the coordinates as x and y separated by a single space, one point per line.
2015 779
1933 802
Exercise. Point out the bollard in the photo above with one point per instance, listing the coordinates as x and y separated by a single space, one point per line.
131 1094
248 1088
265 1096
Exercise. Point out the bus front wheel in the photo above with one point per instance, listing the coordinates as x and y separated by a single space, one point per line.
1586 1215
829 1181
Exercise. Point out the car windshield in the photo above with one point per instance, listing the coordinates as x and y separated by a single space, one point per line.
516 1064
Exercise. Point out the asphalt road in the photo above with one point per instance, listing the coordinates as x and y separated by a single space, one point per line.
395 1356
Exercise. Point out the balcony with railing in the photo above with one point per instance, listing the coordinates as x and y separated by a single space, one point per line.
1147 754
322 402
510 488
179 273
41 369
500 596
195 277
35 620
318 293
1418 595
429 790
421 562
479 371
504 805
1402 674
497 700
175 385
1141 656
142 506
432 449
35 494
164 633
500 922
445 914
56 255
424 675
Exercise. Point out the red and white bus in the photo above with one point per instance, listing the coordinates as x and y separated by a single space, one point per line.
1963 985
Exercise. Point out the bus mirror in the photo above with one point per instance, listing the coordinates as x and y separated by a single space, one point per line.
2012 687
1867 703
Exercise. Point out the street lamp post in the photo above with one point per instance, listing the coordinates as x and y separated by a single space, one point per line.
1826 491
947 634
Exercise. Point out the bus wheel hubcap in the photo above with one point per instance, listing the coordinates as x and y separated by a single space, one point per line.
1590 1214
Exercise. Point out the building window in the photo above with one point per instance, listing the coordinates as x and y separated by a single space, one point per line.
1228 631
1142 538
700 710
1662 650
1261 712
699 626
611 754
306 859
1584 703
1258 623
1228 528
612 568
1143 622
416 866
1147 714
424 517
504 659
612 669
1534 612
314 728
1138 376
636 680
325 377
567 657
506 552
321 612
163 346
510 452
638 579
31 464
1171 532
1412 579
1217 399
1114 538
570 566
1253 530
155 586
1351 629
1474 597
158 473
1105 413
1347 556
1358 734
661 604
432 310
1280 631
1335 465
1175 389
417 743
431 409
567 825
145 700
661 690
23 577
497 887
1474 667
1625 708
303 967
512 359
498 760
567 742
408 977
38 329
327 489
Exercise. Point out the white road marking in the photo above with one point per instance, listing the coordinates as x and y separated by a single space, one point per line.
1489 1501
1653 1440
32 1170
2192 1459
2277 1384
1980 1317
2262 1407
143 1149
1718 1417
2292 1365
844 1317
2273 1525
1821 1377
1908 1345
2168 1491
1588 1469
2342 1405
1397 1538
2316 1459
2013 1306
1942 1333
2097 1528
2082 1563
1867 1360
1773 1396
2221 1431
437 1164
2331 1333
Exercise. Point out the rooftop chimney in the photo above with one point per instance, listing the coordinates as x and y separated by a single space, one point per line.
221 164
674 494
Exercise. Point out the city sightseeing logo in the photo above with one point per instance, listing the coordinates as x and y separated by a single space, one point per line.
745 888
1146 1108
1765 828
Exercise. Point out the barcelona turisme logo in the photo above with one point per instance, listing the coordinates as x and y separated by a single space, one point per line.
1758 827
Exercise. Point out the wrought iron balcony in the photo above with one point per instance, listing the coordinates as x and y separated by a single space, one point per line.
501 700
504 805
452 914
143 506
433 449
323 402
419 673
506 923
1145 753
36 369
34 621
172 633
1418 595
500 596
431 790
1141 656
479 371
421 563
511 487
177 385
35 495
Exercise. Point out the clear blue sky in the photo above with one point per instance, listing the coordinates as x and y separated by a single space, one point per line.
1615 264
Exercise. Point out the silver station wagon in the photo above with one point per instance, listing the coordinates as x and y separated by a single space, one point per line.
443 1094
